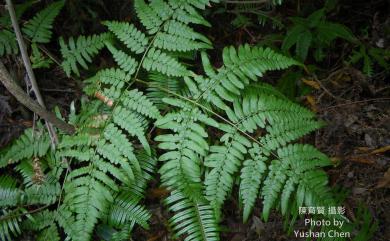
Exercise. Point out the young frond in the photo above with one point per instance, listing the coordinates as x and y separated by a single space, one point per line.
30 144
134 39
80 51
38 29
194 219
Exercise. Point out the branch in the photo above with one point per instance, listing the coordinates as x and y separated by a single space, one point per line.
23 98
27 64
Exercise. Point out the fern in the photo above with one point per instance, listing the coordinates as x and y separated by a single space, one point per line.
9 193
10 223
81 51
30 144
181 169
90 188
38 29
214 131
241 66
8 44
193 218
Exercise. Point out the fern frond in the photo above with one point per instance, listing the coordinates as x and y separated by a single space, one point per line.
51 233
29 144
40 220
80 51
157 60
169 21
38 29
224 161
133 123
296 166
125 61
172 84
137 101
125 209
194 219
10 224
240 67
8 44
9 194
134 39
181 168
112 77
251 177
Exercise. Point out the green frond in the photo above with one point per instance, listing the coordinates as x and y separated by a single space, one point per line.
148 165
8 44
125 61
9 194
172 84
128 34
283 132
51 233
256 110
153 15
157 60
224 161
112 77
38 29
241 66
125 209
172 42
88 194
251 177
295 169
30 144
185 148
81 51
10 224
39 220
43 193
137 101
194 219
133 123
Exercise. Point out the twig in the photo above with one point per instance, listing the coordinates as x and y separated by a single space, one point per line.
27 64
355 102
24 99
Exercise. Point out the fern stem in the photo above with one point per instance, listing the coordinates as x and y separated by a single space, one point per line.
23 214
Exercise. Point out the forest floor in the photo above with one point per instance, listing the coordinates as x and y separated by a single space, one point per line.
355 108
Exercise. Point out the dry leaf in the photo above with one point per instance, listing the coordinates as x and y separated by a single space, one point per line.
312 102
385 180
312 83
381 150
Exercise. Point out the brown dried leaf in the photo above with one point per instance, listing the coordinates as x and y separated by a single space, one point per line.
385 180
312 83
